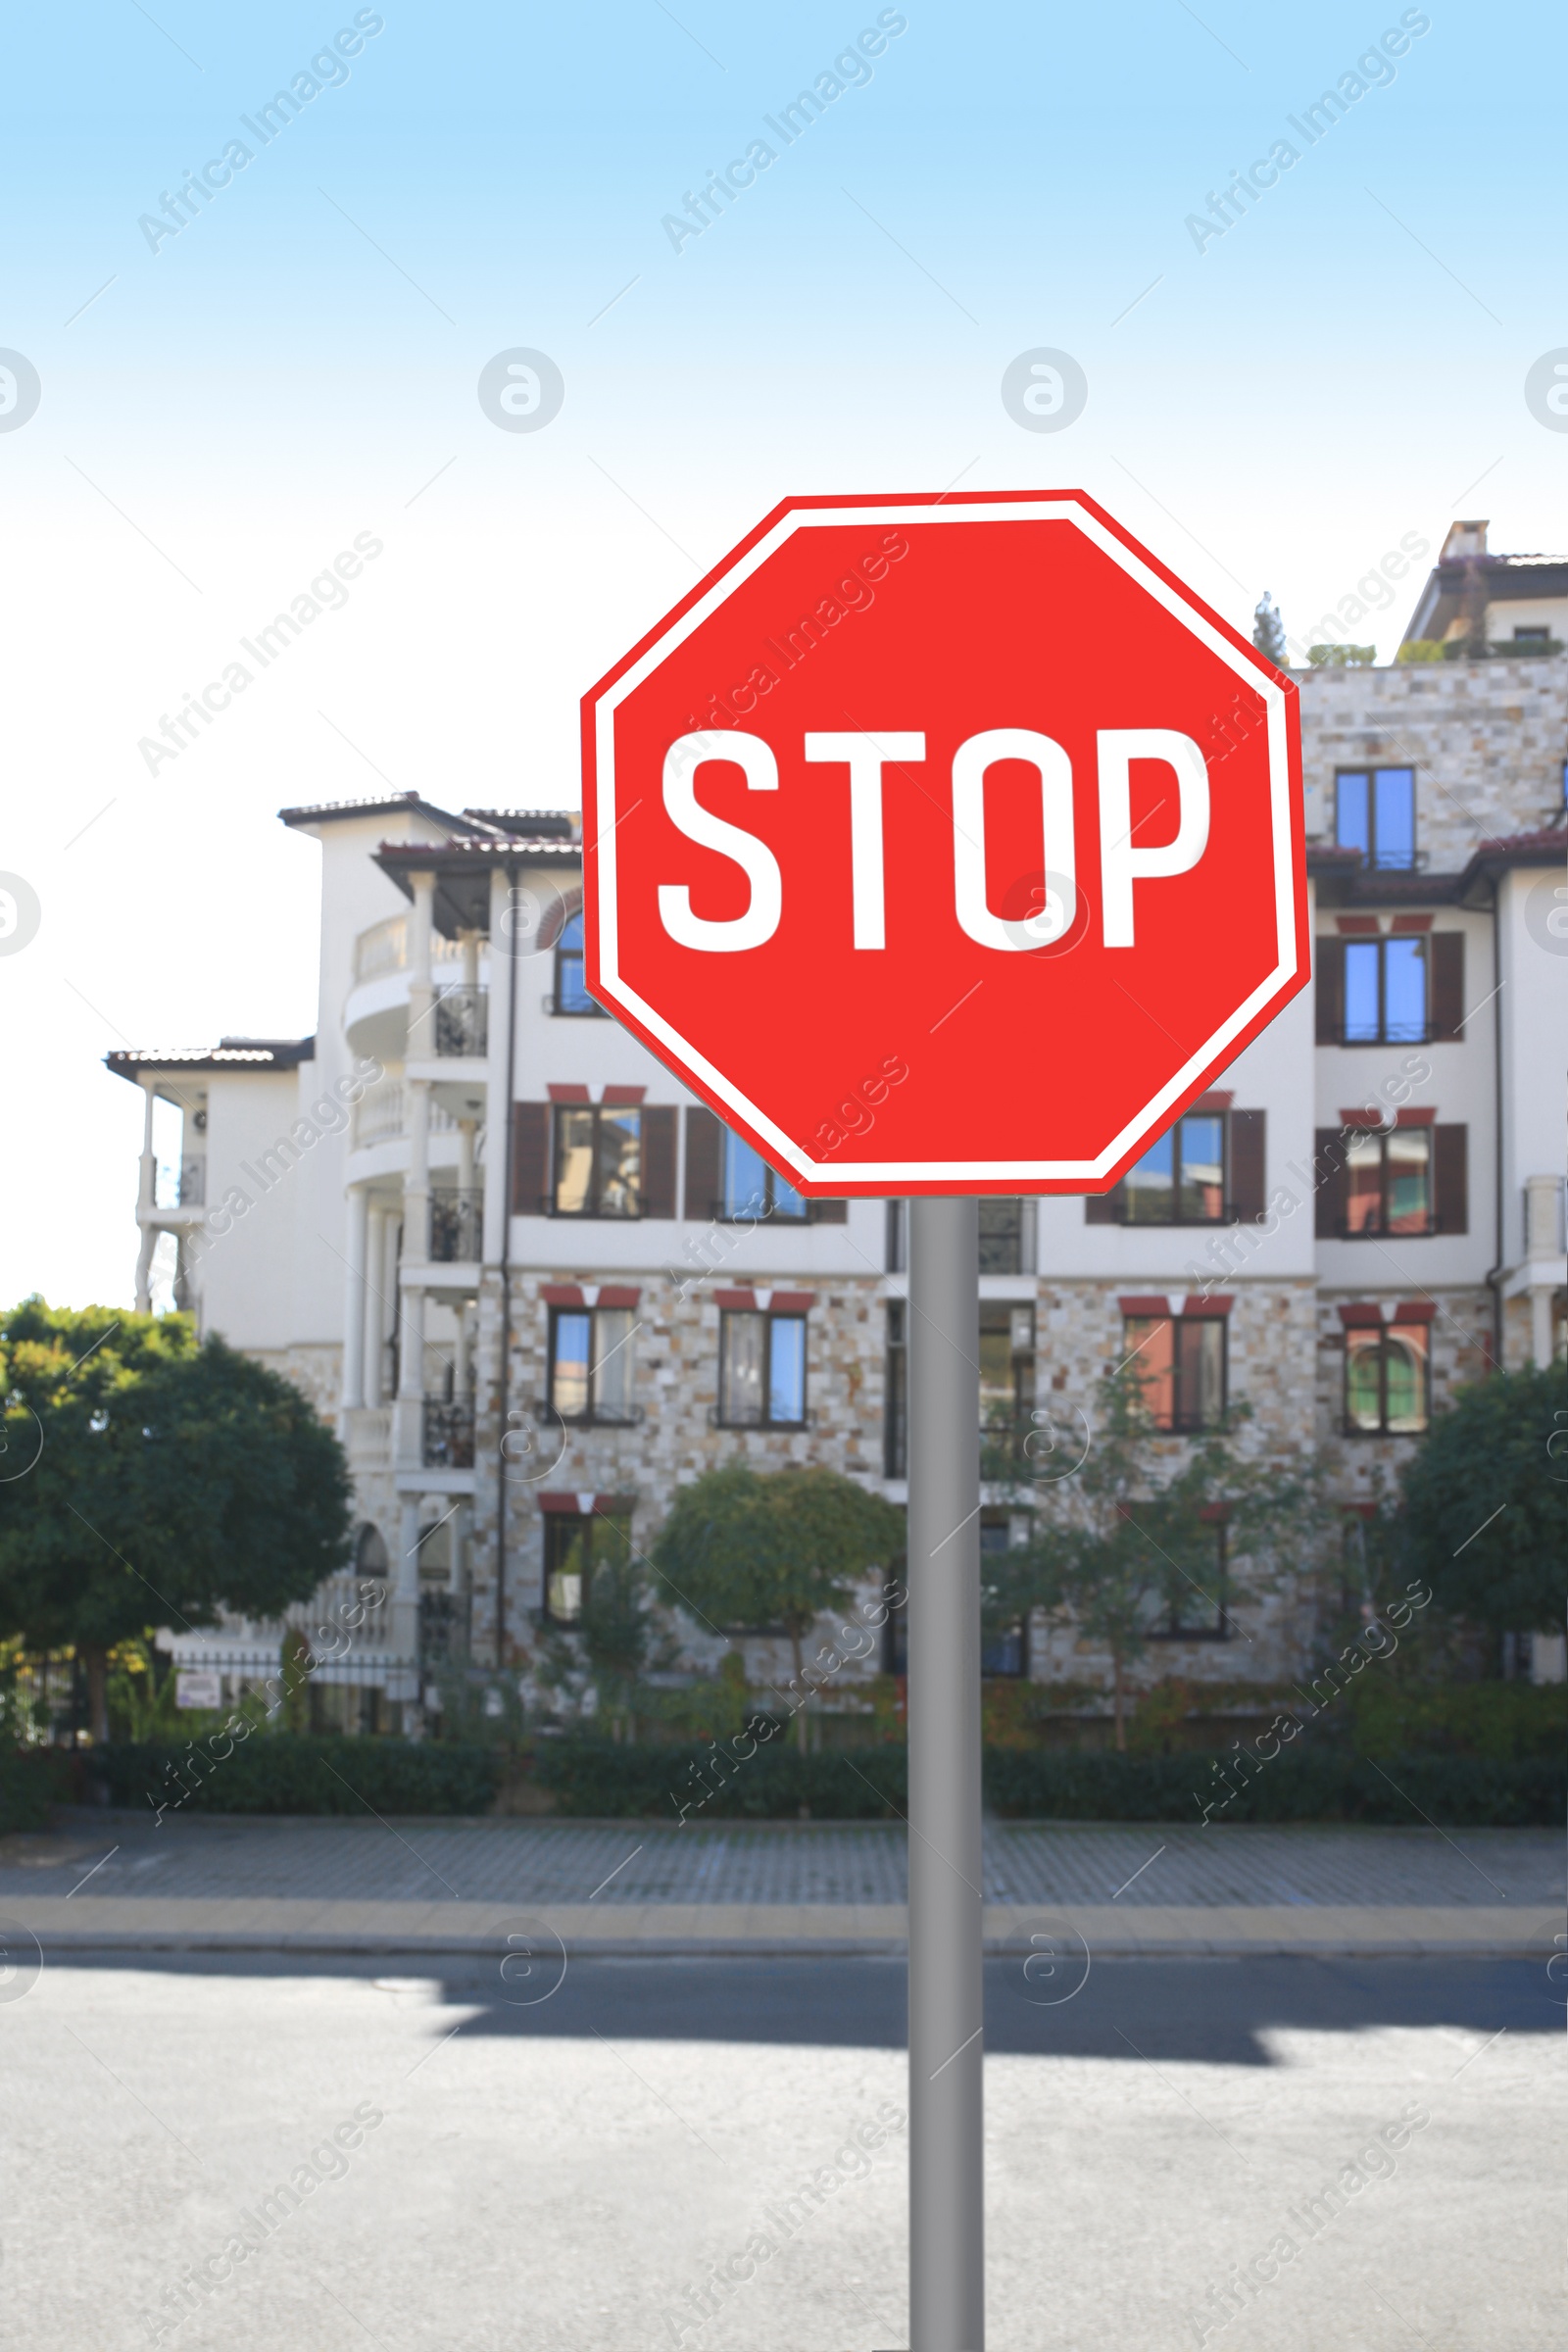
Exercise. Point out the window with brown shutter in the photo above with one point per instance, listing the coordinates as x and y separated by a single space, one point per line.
1446 948
705 1151
658 1160
1327 971
530 1153
1451 1155
1249 1165
1331 1197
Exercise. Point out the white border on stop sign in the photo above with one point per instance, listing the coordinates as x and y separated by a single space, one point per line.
895 1174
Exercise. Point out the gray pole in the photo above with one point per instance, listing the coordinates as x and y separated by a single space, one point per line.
947 2205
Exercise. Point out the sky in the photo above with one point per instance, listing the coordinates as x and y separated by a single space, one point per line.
203 402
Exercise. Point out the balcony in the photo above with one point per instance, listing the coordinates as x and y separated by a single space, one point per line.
384 948
463 1024
457 1226
382 1117
447 1435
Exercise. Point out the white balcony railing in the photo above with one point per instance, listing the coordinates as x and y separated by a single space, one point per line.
385 947
382 1117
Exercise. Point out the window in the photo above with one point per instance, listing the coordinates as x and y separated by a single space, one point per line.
762 1371
1533 636
1388 1183
598 1160
1006 1364
896 1407
1374 813
1005 1652
1385 992
752 1189
580 1550
1193 1607
1181 1180
1006 1236
591 1364
571 992
1387 1379
1181 1362
896 1237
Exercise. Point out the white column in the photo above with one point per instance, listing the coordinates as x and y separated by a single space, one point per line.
421 1028
354 1300
416 1184
497 1086
375 1301
146 1202
471 958
1543 1245
404 1627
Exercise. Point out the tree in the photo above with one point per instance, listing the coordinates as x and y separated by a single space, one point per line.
1268 631
157 1482
1486 1503
745 1549
1126 1543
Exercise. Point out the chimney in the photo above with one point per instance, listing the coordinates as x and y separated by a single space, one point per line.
1464 539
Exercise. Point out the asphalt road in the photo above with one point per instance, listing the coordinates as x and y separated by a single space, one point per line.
562 2160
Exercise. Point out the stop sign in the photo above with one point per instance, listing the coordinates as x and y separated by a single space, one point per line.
944 845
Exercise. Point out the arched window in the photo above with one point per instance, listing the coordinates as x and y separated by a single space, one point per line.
370 1554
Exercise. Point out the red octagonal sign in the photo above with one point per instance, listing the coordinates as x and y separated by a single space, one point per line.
945 845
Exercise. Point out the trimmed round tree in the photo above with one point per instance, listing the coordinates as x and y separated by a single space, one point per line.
1486 1503
149 1482
748 1548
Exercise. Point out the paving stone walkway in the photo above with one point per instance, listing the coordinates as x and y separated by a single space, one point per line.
616 1864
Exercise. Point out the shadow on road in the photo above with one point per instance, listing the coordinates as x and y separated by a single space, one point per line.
1211 2010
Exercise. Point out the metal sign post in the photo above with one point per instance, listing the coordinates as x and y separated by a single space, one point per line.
947 2018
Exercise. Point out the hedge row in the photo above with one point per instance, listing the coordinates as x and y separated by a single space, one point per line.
284 1774
590 1777
280 1773
31 1780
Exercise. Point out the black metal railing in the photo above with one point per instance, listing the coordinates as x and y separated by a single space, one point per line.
447 1435
463 1023
457 1226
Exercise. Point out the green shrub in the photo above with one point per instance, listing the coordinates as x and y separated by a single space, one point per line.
282 1772
1455 1790
712 1783
31 1780
1500 1721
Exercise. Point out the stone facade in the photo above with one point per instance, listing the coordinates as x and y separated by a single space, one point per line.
1487 740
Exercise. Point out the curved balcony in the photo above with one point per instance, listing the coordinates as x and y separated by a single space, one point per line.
376 1013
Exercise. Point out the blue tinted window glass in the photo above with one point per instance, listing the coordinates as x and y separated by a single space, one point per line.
1149 1184
744 1178
1405 983
1361 990
1395 827
786 1367
569 1386
571 995
1353 816
786 1202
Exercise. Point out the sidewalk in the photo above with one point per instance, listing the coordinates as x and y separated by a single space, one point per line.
108 1880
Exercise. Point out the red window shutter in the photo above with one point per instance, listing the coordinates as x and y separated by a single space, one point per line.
1248 1166
830 1213
1104 1208
658 1160
705 1143
1447 950
1327 1169
530 1159
1328 964
1452 1178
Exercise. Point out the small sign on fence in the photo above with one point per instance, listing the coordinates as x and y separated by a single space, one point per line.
198 1686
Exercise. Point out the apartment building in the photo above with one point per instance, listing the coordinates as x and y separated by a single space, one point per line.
538 1286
